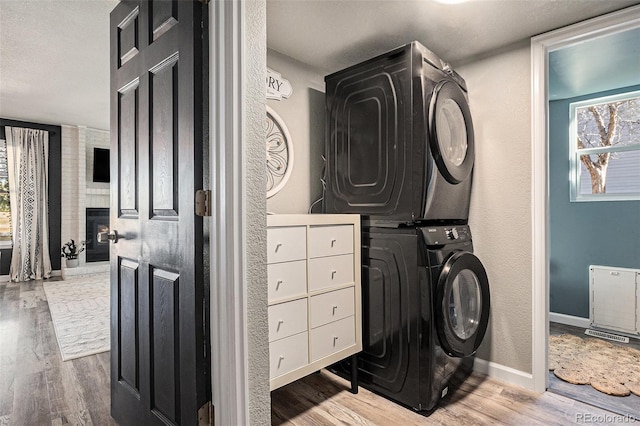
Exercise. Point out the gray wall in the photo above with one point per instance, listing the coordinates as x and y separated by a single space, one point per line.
303 114
583 233
500 216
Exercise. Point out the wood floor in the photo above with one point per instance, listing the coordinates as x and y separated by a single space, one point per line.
324 399
626 405
36 386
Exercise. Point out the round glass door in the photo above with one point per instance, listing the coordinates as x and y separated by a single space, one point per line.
451 132
462 304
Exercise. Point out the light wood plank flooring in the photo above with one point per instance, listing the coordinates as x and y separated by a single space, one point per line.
324 398
36 386
627 405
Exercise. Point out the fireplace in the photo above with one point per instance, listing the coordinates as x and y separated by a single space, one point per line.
97 221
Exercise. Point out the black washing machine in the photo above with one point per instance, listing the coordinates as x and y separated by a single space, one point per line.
425 311
399 142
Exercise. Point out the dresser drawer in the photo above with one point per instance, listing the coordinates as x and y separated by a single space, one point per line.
332 338
287 319
288 354
330 271
286 243
287 279
328 307
330 240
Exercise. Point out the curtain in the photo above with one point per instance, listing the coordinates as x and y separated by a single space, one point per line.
28 158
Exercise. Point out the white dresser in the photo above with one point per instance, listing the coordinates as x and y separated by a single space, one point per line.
315 314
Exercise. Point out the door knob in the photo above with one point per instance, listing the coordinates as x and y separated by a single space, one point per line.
105 237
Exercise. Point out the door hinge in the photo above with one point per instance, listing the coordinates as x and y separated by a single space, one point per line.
205 415
203 202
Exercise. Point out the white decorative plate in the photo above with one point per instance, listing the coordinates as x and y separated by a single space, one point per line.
279 153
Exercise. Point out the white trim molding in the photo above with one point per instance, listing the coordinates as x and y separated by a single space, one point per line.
541 46
569 320
503 373
229 350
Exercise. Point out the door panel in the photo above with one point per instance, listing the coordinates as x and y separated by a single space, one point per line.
163 95
128 332
160 373
127 152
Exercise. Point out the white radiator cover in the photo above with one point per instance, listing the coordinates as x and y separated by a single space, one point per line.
615 298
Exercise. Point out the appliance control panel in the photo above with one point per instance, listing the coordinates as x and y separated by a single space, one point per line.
439 235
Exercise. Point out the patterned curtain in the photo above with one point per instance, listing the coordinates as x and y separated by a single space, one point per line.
28 158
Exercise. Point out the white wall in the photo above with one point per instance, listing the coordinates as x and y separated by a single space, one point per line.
303 114
500 216
254 213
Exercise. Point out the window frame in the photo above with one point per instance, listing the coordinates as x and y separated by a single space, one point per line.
6 244
575 153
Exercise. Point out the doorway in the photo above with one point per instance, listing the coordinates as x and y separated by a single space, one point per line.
546 297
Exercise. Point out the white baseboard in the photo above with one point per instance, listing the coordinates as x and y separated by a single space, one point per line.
569 320
504 373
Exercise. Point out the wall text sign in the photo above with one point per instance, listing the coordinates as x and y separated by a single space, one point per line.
277 87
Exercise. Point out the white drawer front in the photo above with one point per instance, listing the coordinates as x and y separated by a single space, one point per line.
332 306
288 354
332 338
287 319
286 243
287 279
330 240
330 271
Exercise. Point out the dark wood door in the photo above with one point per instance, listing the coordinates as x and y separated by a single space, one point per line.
159 359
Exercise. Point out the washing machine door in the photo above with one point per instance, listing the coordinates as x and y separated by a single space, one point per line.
451 132
462 304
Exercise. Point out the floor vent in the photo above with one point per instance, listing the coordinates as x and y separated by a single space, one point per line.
608 336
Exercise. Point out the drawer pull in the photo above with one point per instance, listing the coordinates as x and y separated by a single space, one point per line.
333 274
280 360
335 339
333 241
278 246
334 309
279 324
278 284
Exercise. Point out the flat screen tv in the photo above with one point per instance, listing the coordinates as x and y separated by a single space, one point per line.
101 165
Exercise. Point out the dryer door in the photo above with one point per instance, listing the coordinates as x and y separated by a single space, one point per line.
462 304
451 132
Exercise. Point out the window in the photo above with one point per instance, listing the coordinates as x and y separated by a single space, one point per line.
5 205
605 148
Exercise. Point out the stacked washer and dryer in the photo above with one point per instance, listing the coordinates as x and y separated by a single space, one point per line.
400 152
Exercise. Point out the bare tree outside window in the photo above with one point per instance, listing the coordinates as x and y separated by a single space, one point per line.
608 145
5 205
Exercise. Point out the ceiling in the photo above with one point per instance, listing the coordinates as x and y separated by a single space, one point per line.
54 55
54 61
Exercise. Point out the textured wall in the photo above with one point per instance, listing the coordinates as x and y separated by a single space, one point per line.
580 234
500 217
303 114
255 217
